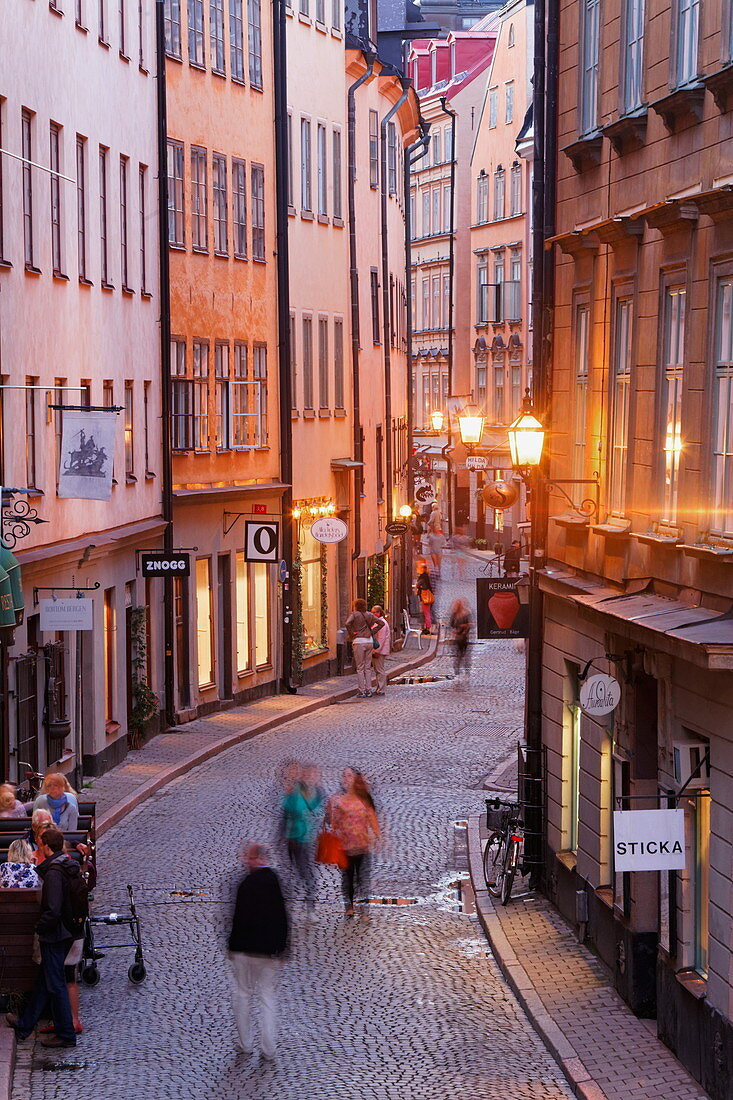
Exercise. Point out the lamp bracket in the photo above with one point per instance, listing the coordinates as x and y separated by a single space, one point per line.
588 508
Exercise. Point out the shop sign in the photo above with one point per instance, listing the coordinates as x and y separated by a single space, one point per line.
425 494
477 462
67 614
261 540
329 529
396 528
649 840
599 695
499 611
169 564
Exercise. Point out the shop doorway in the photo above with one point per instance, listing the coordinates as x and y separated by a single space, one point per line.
180 616
224 619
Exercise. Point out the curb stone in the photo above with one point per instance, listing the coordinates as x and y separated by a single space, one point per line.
562 1050
7 1061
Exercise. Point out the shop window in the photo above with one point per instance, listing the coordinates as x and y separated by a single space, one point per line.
242 611
262 613
571 754
702 882
204 622
312 577
110 627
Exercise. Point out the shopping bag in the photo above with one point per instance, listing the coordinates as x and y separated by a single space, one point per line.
329 849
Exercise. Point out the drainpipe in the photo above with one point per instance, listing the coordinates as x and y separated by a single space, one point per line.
451 291
354 284
386 311
279 32
169 665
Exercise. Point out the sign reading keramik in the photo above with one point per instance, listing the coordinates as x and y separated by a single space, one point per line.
649 840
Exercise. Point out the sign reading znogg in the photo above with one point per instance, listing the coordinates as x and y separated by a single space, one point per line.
75 614
173 564
649 840
329 529
261 540
599 695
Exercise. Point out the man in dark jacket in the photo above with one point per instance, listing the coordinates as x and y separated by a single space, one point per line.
257 942
513 559
55 930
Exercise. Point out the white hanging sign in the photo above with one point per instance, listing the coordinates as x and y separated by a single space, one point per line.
649 840
77 614
599 695
329 529
87 455
261 540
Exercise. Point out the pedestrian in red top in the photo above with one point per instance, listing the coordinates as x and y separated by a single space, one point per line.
353 818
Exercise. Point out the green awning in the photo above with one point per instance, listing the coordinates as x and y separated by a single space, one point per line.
11 565
7 611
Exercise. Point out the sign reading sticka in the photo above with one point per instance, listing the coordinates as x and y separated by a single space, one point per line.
600 695
649 840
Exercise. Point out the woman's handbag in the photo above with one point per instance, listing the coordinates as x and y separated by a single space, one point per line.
330 850
427 596
375 642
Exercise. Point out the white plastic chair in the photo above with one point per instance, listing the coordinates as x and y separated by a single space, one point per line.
408 630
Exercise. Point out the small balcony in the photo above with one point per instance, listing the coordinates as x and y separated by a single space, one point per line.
499 302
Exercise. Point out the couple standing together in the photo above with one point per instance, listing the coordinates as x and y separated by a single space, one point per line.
370 639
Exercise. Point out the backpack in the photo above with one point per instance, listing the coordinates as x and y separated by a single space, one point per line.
77 897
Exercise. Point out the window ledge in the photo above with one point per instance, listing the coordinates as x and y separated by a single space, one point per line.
585 152
174 247
147 295
80 27
721 86
568 859
55 10
305 19
336 33
124 57
321 27
708 551
103 42
6 264
130 479
307 215
324 219
339 222
34 493
294 414
315 652
221 255
128 290
60 276
31 270
616 530
309 414
605 896
174 57
143 70
259 260
256 87
112 727
200 251
240 256
291 211
658 538
324 414
107 286
683 106
340 414
149 475
219 73
628 133
570 519
238 80
693 982
195 65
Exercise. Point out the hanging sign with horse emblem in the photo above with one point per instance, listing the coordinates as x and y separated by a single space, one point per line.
87 454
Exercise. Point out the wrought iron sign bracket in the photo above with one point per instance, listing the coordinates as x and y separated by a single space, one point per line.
16 517
587 508
78 588
88 408
234 516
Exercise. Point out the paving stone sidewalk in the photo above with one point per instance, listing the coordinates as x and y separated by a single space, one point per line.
605 1051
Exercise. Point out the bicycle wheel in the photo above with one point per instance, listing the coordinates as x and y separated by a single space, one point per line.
494 864
510 869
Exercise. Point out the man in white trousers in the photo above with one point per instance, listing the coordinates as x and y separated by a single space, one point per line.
257 943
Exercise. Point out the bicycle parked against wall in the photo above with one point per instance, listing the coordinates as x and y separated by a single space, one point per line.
502 854
32 783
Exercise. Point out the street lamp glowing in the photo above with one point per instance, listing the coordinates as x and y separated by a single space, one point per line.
437 420
471 426
526 437
296 513
405 511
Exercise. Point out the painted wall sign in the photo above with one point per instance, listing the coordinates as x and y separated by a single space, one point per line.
173 564
67 614
329 529
259 509
476 462
499 612
649 840
261 540
599 695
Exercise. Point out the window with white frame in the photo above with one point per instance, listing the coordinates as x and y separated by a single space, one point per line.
338 362
199 208
222 383
236 39
122 20
142 177
509 103
254 19
436 301
582 341
425 319
482 200
306 200
81 206
373 149
239 209
176 225
172 22
590 33
338 211
307 362
201 395
391 158
26 124
673 366
290 181
196 54
493 107
446 208
436 210
426 211
321 11
436 147
257 173
515 189
499 194
221 204
322 170
181 398
240 397
722 518
129 431
124 252
216 34
687 17
482 304
620 405
55 187
323 363
336 15
633 55
259 389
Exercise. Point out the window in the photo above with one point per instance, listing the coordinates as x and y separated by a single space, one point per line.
129 436
311 557
338 212
56 232
373 149
572 717
436 281
173 27
338 363
510 40
620 400
509 103
255 43
204 622
306 200
140 35
259 391
201 395
436 210
81 205
79 13
307 363
142 188
240 393
426 303
241 597
216 34
482 200
221 204
449 144
336 14
303 7
196 32
513 289
236 39
515 190
323 362
374 285
223 397
674 358
392 158
633 55
582 337
320 11
293 365
446 301
26 124
483 290
499 417
110 654
701 809
257 173
31 471
436 147
493 107
262 613
146 426
722 520
2 211
499 194
322 171
446 209
124 272
176 229
688 30
121 23
590 45
426 211
102 20
239 209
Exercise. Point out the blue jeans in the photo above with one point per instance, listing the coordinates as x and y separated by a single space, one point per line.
50 986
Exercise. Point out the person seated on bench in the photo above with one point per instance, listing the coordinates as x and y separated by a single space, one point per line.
9 805
59 798
40 820
19 870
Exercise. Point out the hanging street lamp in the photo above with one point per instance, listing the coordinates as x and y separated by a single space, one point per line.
437 420
471 426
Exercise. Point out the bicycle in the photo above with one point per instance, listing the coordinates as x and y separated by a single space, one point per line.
503 848
32 785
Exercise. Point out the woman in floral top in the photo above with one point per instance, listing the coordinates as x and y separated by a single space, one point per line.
19 870
352 816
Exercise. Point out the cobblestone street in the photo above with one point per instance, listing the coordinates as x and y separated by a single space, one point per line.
407 1007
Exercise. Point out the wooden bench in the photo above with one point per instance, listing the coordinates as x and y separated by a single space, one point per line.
19 912
78 836
19 825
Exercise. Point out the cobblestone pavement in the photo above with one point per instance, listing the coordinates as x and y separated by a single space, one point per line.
409 1006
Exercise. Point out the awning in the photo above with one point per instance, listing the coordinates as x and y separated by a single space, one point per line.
11 565
7 610
679 627
345 464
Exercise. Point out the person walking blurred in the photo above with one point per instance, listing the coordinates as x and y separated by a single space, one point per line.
301 808
352 816
426 595
257 943
361 625
379 655
436 535
513 559
460 623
